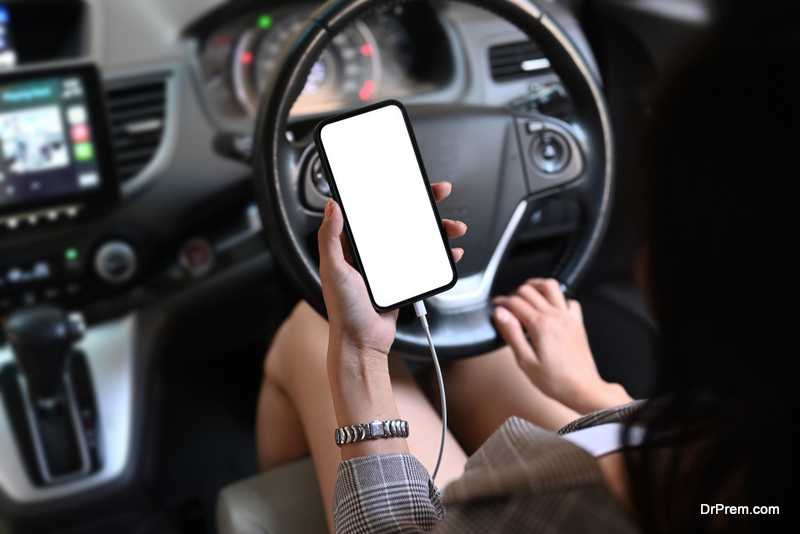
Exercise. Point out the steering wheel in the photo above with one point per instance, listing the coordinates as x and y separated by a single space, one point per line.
503 165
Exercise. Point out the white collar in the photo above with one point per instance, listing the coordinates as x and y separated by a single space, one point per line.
604 439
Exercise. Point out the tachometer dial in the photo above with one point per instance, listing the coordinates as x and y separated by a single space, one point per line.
395 43
347 71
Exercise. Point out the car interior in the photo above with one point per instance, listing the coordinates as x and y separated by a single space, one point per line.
160 192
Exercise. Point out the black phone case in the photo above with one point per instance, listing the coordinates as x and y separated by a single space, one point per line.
335 193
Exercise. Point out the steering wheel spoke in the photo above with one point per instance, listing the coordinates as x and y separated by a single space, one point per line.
476 150
473 291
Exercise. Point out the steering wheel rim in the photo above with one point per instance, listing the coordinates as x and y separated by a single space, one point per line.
465 327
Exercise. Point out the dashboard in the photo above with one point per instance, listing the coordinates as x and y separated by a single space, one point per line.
395 53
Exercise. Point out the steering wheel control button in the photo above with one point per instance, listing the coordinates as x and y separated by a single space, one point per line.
535 126
314 186
550 152
197 257
318 177
115 262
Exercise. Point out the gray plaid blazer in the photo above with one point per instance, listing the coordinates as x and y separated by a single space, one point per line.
523 479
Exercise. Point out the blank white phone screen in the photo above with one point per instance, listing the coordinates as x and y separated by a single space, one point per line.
386 202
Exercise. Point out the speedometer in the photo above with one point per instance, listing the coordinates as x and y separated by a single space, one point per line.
348 70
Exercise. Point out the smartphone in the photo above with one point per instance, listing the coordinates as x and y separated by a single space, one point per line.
376 175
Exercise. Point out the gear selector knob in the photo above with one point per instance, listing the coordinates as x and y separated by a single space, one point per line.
41 338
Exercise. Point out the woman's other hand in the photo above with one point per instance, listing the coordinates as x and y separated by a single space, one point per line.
557 358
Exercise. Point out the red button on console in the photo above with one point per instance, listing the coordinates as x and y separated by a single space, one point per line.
197 257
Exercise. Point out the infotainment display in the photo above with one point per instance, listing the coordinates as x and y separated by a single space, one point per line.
54 141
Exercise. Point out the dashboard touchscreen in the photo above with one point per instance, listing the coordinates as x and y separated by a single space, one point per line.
53 141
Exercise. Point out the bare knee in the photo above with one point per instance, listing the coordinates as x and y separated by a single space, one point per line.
298 349
300 342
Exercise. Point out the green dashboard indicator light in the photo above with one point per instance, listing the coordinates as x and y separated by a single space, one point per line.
264 22
71 254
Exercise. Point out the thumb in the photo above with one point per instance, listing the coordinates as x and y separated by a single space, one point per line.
330 244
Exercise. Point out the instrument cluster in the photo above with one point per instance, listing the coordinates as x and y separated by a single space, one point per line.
393 53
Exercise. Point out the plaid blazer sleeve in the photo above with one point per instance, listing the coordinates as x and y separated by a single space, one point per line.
522 480
385 493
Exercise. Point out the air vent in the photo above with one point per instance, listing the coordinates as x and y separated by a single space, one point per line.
517 60
137 114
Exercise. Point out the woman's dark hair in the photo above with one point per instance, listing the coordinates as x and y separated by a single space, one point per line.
722 168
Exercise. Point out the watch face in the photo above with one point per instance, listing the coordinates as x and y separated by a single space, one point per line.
376 429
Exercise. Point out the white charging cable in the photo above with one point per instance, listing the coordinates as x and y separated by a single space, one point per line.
419 308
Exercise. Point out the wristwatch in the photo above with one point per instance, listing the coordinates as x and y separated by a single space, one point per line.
396 428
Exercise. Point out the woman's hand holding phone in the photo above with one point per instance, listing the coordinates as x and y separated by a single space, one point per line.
360 337
349 310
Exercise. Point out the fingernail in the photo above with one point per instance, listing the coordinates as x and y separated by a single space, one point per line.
329 207
500 315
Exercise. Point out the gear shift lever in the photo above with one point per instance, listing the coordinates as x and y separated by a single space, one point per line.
41 338
50 421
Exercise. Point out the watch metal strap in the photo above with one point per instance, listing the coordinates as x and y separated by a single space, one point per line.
396 428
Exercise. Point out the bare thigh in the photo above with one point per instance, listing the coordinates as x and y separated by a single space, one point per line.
296 417
484 391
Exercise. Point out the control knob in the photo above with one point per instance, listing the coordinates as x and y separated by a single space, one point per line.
115 262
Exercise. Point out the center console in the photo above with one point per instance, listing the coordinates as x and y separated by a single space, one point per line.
56 171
